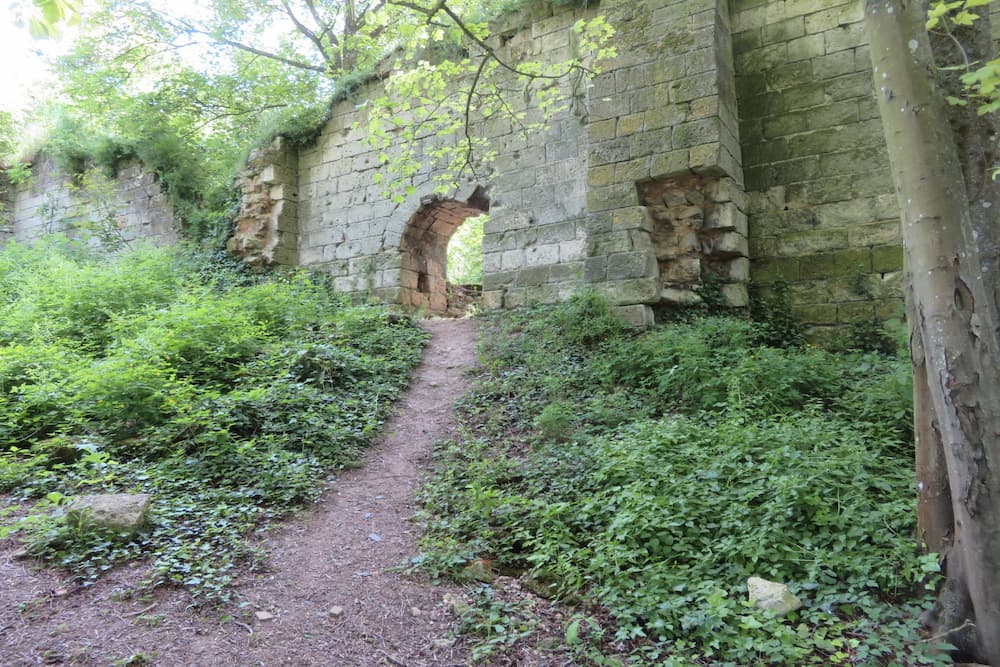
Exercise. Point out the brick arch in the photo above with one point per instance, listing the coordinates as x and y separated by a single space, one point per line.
424 248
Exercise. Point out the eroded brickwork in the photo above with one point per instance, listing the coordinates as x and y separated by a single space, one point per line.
266 228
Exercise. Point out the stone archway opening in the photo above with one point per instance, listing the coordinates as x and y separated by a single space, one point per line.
424 247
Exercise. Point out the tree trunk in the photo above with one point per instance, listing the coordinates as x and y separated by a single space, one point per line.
951 306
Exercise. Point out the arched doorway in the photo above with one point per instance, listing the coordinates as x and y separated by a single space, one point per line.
424 246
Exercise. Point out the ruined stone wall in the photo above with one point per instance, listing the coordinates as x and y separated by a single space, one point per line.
129 207
823 213
594 199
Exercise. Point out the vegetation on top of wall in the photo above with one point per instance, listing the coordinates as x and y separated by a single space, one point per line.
647 475
224 394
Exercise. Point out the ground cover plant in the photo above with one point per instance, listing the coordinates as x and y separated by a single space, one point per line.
645 476
225 395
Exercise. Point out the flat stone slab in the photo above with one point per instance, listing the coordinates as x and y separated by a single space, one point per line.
122 512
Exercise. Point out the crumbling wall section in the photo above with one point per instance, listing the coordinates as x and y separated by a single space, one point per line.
663 111
267 227
120 210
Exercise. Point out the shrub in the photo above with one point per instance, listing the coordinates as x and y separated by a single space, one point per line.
667 467
174 372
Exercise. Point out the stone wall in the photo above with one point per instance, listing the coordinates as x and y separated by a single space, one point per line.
129 207
823 214
575 204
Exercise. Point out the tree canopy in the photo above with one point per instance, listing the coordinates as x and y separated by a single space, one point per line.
189 89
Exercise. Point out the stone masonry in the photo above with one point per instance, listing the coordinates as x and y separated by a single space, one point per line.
131 206
567 205
735 139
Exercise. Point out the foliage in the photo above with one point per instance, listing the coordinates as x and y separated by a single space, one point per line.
981 79
663 468
421 100
772 309
465 253
176 373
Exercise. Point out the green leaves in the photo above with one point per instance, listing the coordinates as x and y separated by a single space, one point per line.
51 15
981 80
224 394
652 473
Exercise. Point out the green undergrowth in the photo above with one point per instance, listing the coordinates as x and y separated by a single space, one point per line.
227 396
645 476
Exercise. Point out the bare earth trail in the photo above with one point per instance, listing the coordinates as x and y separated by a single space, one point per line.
330 593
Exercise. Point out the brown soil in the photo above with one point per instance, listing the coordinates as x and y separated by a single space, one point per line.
330 592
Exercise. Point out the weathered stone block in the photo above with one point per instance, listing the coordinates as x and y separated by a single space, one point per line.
639 316
638 290
726 244
121 512
804 243
878 233
815 313
492 299
887 258
670 164
682 270
735 295
628 265
862 311
726 216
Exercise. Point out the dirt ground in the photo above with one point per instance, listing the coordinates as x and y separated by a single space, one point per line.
330 592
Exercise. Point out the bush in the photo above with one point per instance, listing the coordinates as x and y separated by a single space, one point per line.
176 373
667 467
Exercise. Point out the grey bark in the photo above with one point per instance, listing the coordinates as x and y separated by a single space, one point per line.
951 294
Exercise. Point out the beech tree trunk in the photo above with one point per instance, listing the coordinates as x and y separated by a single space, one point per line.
952 306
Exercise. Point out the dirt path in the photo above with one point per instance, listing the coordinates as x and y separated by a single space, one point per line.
330 594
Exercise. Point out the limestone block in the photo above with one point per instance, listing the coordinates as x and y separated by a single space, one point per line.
532 277
771 595
496 280
611 197
726 216
638 290
636 315
571 271
626 265
735 295
738 270
562 231
514 298
679 297
632 217
541 255
492 299
682 270
512 259
572 250
726 244
491 262
670 164
122 512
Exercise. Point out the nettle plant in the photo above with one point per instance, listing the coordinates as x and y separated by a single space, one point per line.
981 79
226 395
645 476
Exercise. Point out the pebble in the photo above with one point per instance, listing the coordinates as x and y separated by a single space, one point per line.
415 611
263 615
336 611
375 537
